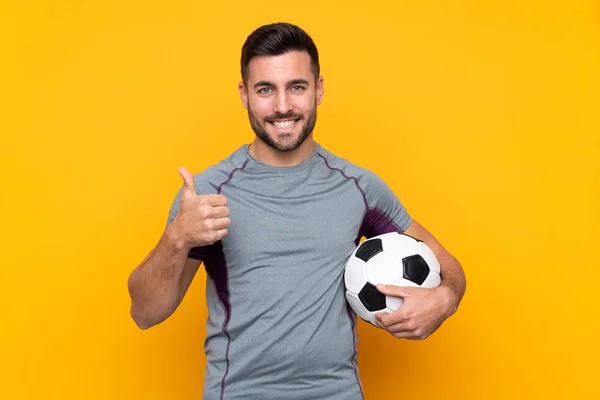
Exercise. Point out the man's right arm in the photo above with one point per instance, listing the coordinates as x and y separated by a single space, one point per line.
158 284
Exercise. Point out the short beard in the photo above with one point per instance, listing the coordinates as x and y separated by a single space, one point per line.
262 134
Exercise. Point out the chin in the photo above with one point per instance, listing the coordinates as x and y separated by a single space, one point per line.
286 140
285 146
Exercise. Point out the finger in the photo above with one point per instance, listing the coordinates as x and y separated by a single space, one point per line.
392 290
382 318
400 328
410 335
215 200
219 212
388 320
188 181
221 233
221 223
378 319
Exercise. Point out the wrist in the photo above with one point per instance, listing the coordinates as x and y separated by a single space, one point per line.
448 298
175 239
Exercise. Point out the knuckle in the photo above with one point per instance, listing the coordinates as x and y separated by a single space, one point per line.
204 199
211 237
204 212
209 224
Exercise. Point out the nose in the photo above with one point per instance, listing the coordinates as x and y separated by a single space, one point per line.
282 103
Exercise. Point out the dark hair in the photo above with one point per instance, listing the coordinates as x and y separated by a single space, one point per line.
276 39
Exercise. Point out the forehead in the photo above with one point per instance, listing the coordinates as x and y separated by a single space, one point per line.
280 68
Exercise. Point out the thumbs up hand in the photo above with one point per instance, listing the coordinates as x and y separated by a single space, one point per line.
201 219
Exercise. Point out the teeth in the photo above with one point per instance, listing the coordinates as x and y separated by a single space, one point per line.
284 124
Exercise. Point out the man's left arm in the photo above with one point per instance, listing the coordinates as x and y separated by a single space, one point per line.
423 309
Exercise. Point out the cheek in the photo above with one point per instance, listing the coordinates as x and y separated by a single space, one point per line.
306 104
260 107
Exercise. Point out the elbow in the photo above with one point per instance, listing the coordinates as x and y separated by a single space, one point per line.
148 315
137 311
142 321
145 319
148 320
149 310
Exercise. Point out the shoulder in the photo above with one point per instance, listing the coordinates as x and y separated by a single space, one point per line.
365 177
209 180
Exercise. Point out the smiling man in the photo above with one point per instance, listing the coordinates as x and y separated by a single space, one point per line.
274 224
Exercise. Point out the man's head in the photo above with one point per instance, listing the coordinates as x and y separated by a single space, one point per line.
281 86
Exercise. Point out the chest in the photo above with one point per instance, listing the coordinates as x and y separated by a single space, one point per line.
291 228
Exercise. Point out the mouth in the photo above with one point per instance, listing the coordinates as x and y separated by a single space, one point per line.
284 124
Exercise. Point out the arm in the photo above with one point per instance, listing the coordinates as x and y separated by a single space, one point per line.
424 310
157 286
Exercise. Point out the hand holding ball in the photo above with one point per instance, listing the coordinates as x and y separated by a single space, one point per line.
392 259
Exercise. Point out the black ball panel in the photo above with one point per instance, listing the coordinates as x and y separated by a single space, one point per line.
368 249
371 298
415 269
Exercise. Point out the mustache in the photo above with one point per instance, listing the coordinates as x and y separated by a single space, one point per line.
279 117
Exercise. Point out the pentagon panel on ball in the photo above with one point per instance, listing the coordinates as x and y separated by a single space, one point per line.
391 258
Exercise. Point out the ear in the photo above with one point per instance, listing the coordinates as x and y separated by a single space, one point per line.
320 90
243 94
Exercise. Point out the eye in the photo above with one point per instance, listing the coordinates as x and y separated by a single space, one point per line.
298 88
264 90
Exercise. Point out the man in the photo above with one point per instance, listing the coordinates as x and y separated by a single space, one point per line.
273 224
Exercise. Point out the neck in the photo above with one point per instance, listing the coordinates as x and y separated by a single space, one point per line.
268 155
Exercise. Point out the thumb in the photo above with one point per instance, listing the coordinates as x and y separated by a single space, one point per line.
188 182
392 290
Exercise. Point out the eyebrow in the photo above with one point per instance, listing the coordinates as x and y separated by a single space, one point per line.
298 81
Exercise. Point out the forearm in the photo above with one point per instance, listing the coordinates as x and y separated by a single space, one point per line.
453 281
154 284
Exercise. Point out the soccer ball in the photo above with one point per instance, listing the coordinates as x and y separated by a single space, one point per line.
391 258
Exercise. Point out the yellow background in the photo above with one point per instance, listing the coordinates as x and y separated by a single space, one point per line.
482 116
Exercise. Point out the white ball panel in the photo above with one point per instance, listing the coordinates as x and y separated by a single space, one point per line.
433 280
393 303
429 257
355 275
385 267
401 245
405 282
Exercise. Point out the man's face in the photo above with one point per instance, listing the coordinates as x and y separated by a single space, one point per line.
281 97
